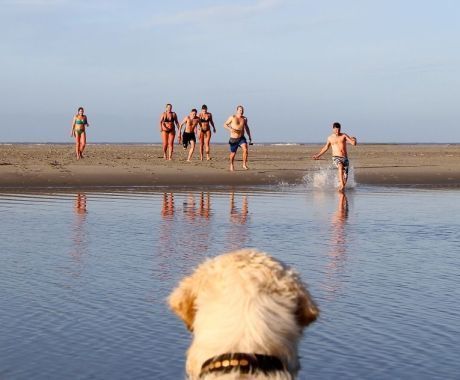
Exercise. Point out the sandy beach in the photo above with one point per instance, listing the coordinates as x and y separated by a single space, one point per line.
28 166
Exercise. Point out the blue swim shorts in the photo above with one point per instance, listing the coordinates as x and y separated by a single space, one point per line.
235 143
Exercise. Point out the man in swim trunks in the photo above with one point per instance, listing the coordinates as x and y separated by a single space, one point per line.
237 125
191 123
338 142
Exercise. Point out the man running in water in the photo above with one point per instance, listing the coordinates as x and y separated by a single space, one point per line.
338 142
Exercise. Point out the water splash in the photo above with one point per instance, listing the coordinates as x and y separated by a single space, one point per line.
326 178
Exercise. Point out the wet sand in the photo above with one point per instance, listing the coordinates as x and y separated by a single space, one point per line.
26 166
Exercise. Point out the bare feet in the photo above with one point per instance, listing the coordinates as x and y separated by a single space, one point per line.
245 167
232 169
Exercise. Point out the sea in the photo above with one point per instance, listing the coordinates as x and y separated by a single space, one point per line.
84 276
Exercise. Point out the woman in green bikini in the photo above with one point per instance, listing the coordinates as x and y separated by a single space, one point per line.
79 124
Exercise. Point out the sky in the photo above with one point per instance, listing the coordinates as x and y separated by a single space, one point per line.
387 70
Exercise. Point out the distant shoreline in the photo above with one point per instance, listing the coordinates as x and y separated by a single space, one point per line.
36 165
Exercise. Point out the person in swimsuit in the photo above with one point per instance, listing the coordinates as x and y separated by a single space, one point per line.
191 123
237 125
168 123
205 131
79 124
338 142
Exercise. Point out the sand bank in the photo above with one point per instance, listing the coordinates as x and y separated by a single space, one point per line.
54 165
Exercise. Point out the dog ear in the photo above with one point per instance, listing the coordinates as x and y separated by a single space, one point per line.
182 302
307 311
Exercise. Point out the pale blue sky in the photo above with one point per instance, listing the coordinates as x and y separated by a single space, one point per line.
388 70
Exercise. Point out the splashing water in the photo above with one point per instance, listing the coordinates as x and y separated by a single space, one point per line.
326 178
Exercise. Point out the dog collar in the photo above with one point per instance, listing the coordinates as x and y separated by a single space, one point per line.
245 363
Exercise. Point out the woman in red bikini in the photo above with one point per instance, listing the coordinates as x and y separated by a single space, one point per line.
168 123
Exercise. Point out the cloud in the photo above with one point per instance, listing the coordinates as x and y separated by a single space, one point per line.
217 12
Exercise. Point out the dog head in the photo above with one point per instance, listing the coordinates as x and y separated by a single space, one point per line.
261 273
243 301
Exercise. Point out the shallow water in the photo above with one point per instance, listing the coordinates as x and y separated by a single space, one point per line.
84 277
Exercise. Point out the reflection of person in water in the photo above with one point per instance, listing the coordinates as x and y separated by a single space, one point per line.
189 227
238 231
338 251
205 205
189 207
80 204
238 217
168 205
79 233
190 210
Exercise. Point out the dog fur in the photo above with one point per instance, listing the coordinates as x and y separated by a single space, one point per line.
243 301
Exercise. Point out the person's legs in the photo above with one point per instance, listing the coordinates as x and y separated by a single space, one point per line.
191 150
232 159
77 145
171 137
82 143
164 139
201 145
233 150
207 139
341 176
245 156
184 141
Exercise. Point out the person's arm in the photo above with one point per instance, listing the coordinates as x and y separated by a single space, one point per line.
322 151
246 127
161 121
212 122
228 123
352 140
180 129
72 133
175 121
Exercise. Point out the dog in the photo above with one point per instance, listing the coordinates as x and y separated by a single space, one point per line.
247 312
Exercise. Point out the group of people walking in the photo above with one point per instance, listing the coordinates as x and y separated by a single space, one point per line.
202 122
194 123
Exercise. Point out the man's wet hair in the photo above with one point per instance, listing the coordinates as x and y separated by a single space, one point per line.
204 107
194 110
336 125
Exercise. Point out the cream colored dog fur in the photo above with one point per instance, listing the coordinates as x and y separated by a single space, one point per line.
243 301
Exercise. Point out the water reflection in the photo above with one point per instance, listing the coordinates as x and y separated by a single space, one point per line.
168 205
337 254
79 234
188 228
238 216
166 237
238 232
205 205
